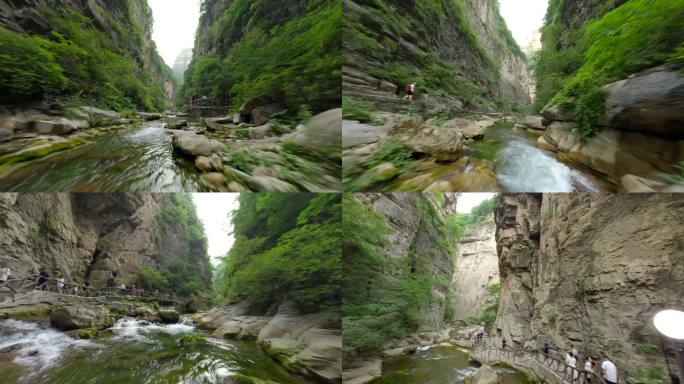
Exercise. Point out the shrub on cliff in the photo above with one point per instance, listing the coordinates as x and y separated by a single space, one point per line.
637 35
294 62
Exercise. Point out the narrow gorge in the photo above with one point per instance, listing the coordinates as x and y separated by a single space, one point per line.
580 270
597 108
120 288
89 105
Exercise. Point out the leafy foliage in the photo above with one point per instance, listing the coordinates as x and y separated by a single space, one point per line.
76 59
358 110
574 65
294 61
190 275
385 299
488 315
285 245
437 72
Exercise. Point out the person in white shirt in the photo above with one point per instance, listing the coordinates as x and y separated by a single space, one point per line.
410 89
570 360
609 371
60 284
589 368
5 272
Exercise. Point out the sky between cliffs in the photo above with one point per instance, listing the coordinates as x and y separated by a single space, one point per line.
214 210
524 17
175 25
467 201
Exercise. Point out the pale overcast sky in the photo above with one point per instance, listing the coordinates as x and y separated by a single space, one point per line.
467 201
174 26
524 17
214 209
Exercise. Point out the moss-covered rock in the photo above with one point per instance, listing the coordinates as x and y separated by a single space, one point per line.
84 333
38 151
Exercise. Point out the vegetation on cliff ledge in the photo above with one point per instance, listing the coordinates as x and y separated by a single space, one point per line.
78 60
575 63
399 35
293 61
389 298
287 246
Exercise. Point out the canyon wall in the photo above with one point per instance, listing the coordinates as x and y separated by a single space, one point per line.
477 267
461 50
126 24
251 53
590 270
415 245
88 236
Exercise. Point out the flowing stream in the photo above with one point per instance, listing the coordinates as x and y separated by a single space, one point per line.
132 351
136 160
522 167
439 365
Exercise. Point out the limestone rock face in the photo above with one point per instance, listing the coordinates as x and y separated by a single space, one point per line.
485 375
517 218
649 102
442 37
88 236
411 231
477 267
603 265
81 316
308 344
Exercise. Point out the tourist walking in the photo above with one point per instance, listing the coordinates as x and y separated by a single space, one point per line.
609 371
41 284
589 368
570 359
5 272
60 284
546 348
409 89
503 343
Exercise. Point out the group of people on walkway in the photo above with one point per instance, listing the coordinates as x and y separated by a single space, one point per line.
601 367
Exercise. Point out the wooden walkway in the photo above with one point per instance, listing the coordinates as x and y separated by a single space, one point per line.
551 369
22 287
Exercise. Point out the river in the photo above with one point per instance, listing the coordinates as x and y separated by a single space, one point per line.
439 365
132 351
523 167
139 159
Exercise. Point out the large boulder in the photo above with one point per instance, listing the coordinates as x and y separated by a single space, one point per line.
470 175
149 116
177 124
534 122
194 145
309 344
59 126
486 375
650 101
261 115
362 372
321 135
81 316
439 143
556 113
97 113
169 316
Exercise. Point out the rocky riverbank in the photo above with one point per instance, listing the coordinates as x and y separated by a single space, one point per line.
640 137
306 344
265 155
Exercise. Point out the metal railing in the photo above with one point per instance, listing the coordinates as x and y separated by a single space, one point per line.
550 368
36 283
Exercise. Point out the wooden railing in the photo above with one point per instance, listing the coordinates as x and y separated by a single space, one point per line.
24 286
553 370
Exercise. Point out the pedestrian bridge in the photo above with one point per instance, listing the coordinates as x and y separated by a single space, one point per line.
20 289
551 369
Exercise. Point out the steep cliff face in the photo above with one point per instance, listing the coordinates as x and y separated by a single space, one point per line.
416 246
477 267
118 31
88 236
458 49
517 243
602 267
267 51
